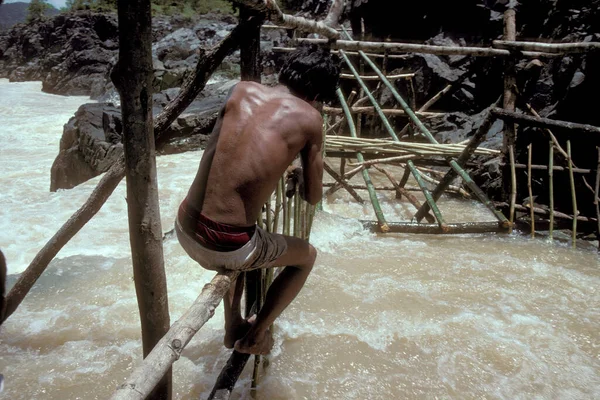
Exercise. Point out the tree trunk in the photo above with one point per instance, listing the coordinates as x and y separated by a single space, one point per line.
133 79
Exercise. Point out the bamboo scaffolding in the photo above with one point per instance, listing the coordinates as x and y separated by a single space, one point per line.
342 182
371 111
168 350
376 78
455 166
390 130
529 153
513 186
402 191
551 186
452 229
365 173
429 179
379 47
543 122
557 48
573 196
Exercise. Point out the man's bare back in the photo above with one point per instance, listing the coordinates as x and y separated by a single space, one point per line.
258 134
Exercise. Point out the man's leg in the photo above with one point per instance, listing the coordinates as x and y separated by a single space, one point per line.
299 258
235 326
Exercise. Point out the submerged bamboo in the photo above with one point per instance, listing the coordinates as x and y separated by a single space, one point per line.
529 188
573 196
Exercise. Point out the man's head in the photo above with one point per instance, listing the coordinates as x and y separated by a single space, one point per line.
312 73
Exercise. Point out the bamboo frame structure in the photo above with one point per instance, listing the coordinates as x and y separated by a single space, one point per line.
558 48
543 122
371 111
380 47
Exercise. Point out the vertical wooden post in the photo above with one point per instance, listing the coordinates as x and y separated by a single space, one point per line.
531 213
551 186
573 196
510 97
133 79
596 192
513 186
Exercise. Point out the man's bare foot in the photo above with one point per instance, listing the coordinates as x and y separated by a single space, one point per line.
237 332
253 345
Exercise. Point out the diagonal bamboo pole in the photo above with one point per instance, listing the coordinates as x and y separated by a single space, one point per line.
372 193
169 348
573 196
342 182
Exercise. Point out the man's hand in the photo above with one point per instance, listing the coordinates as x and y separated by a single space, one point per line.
294 179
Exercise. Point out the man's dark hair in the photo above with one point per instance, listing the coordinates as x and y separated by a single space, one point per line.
311 72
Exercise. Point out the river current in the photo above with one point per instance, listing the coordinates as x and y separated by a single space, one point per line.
381 317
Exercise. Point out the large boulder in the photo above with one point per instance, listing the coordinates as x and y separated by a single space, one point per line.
92 139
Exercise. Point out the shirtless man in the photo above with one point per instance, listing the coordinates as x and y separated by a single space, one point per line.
257 136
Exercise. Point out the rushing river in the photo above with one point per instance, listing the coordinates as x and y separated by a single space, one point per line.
381 317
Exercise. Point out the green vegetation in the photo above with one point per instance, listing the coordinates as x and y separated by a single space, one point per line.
183 8
37 9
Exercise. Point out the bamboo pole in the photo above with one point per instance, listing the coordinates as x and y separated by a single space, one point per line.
275 14
376 78
371 111
596 192
365 173
546 213
573 195
529 188
551 187
509 98
543 122
421 48
169 348
554 168
455 229
455 166
557 48
513 185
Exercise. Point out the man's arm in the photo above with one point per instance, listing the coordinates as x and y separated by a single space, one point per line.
312 162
